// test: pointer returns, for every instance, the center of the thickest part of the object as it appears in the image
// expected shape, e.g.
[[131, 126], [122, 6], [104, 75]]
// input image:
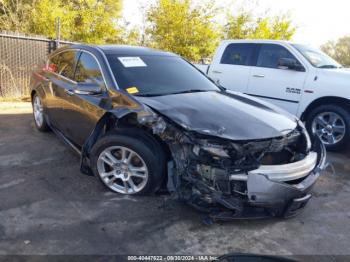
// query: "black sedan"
[[143, 119]]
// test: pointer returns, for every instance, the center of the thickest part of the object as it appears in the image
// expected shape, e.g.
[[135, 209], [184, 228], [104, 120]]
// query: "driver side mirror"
[[290, 63], [88, 88]]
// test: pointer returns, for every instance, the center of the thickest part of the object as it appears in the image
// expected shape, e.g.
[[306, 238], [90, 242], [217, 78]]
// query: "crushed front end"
[[240, 179], [245, 179]]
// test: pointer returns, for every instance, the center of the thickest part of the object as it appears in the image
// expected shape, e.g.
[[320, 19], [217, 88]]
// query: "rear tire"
[[129, 162], [38, 114], [332, 124]]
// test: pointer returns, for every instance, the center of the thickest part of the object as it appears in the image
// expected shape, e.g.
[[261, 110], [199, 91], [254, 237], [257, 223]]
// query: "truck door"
[[274, 83], [232, 69]]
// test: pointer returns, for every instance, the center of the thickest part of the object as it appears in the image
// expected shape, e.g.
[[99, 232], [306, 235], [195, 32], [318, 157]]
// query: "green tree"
[[132, 34], [181, 27], [129, 36], [89, 21], [246, 26], [15, 14], [339, 50]]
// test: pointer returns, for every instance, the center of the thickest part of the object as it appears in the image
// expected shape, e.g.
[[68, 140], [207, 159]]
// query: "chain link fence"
[[19, 56]]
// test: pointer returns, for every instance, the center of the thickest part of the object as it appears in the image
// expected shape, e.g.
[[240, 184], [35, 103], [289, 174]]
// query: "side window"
[[270, 54], [88, 70], [53, 64], [63, 63], [238, 54]]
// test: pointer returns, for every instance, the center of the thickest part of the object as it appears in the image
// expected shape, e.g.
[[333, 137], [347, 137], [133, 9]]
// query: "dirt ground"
[[48, 207]]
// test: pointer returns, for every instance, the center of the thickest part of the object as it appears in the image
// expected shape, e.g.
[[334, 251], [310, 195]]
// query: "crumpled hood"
[[223, 114]]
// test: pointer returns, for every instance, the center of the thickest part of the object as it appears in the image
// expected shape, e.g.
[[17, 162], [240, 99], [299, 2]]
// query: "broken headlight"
[[213, 149], [153, 120]]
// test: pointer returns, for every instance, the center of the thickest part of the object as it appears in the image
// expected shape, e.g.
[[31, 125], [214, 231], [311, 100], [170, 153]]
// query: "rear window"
[[64, 63], [157, 75], [238, 54]]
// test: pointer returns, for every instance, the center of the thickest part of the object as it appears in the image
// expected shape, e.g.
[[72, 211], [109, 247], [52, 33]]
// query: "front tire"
[[38, 113], [128, 164], [331, 123]]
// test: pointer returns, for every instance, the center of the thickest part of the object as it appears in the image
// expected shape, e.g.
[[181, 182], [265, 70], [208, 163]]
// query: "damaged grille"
[[275, 144], [234, 157], [213, 170]]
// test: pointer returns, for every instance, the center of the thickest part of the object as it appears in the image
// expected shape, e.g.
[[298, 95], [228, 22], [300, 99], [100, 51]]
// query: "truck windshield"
[[157, 75], [316, 57]]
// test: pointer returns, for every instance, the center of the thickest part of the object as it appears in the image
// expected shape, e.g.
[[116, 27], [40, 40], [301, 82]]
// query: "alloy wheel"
[[38, 111], [122, 170], [329, 127]]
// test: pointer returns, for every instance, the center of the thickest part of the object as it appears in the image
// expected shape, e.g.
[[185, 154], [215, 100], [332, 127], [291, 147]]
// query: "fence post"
[[52, 46], [58, 31]]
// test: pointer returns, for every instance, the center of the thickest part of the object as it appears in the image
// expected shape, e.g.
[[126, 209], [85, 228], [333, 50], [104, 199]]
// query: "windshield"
[[316, 57], [157, 75]]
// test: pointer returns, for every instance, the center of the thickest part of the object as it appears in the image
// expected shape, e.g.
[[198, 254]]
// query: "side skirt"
[[66, 140]]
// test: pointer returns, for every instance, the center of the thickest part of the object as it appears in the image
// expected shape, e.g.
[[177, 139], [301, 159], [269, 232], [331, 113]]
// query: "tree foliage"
[[15, 14], [245, 26], [339, 50], [187, 27], [183, 28], [90, 21]]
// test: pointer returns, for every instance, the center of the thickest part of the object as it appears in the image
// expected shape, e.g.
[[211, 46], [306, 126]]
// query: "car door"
[[275, 84], [60, 72], [232, 71], [83, 110]]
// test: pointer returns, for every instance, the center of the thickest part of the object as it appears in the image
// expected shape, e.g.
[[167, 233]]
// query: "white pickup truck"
[[302, 80]]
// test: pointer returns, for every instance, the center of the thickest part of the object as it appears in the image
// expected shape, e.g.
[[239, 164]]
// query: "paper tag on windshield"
[[132, 61], [132, 90]]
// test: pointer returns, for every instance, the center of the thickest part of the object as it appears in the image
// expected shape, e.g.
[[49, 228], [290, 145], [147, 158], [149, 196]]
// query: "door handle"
[[261, 76], [69, 92], [216, 72]]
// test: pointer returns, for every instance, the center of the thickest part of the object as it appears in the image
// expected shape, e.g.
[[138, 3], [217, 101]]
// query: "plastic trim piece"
[[288, 172]]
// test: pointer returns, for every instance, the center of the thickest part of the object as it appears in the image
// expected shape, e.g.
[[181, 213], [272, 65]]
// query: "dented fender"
[[113, 119]]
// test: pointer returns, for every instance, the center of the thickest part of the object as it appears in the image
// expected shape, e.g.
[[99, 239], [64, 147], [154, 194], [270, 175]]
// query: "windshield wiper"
[[190, 91], [150, 95], [175, 93]]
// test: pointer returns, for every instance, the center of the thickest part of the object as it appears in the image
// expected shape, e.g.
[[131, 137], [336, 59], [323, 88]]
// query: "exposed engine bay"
[[215, 175]]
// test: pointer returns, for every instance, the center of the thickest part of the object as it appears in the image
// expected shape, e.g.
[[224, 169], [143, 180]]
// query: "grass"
[[15, 99]]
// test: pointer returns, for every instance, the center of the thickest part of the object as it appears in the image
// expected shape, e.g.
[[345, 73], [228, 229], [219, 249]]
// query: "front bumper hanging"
[[278, 191]]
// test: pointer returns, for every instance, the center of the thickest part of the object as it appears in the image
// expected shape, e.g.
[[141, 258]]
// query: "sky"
[[317, 21]]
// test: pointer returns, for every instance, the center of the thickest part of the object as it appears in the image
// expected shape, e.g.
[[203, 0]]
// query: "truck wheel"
[[128, 162], [332, 124]]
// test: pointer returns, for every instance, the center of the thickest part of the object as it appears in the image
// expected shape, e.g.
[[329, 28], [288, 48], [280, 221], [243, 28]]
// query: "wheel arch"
[[38, 89], [328, 100], [32, 93], [109, 122]]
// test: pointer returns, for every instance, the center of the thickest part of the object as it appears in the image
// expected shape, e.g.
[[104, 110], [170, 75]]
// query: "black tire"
[[144, 145], [41, 126], [340, 111]]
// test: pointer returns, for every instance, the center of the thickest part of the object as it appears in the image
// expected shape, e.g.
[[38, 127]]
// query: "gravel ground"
[[48, 207]]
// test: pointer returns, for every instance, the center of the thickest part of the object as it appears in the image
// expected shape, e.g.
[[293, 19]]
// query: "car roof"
[[132, 50], [124, 50]]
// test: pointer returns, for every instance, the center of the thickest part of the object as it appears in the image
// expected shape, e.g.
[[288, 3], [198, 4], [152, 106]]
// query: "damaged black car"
[[143, 119]]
